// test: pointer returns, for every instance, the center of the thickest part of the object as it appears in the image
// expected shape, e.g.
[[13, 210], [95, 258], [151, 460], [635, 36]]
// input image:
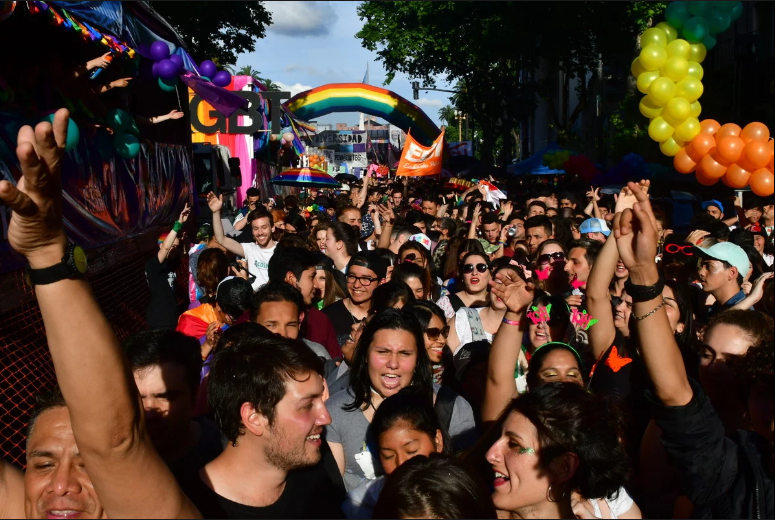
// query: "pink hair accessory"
[[540, 314]]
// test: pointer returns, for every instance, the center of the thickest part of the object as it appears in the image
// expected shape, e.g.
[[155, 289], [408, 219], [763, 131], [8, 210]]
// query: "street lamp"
[[460, 116]]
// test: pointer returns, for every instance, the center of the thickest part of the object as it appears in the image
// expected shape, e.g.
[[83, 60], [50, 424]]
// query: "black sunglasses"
[[548, 257], [434, 332], [469, 268], [411, 257]]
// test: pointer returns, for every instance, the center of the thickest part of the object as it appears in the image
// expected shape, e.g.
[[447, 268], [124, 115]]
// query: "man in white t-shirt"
[[256, 254]]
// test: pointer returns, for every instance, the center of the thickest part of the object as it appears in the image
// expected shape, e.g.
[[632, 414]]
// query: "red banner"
[[418, 160]]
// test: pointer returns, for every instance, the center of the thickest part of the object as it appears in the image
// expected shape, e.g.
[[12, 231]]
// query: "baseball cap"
[[713, 202], [234, 295], [344, 187], [469, 355], [727, 252], [369, 260], [423, 239], [595, 225]]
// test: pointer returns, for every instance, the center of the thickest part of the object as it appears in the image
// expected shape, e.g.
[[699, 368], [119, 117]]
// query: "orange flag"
[[418, 160]]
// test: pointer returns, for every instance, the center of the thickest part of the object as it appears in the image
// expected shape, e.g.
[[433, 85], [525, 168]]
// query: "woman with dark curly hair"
[[556, 439]]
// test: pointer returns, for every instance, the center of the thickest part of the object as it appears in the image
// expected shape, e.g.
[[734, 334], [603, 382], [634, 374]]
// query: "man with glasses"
[[365, 272]]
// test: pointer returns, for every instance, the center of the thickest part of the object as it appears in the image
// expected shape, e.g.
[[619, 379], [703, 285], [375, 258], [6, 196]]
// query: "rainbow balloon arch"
[[669, 73], [360, 97]]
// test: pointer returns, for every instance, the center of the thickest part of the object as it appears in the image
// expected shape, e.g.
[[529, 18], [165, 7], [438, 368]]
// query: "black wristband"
[[644, 293]]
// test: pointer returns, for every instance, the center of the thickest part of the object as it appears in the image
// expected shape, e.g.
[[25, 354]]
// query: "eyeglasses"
[[675, 248], [434, 332], [548, 257], [365, 280], [469, 268]]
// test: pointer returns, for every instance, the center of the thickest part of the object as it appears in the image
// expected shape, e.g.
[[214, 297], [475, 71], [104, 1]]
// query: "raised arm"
[[636, 238], [164, 250], [506, 344], [474, 222], [11, 491], [130, 478], [389, 217], [231, 245]]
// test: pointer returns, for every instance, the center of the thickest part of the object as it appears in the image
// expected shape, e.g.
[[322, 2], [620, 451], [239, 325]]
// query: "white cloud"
[[293, 89], [425, 102], [301, 18]]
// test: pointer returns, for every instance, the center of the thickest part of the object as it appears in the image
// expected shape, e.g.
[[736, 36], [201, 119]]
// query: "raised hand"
[[757, 289], [635, 231], [626, 199], [215, 203], [696, 237], [35, 229], [515, 293], [175, 114], [120, 83], [386, 212], [184, 214], [98, 63], [594, 194]]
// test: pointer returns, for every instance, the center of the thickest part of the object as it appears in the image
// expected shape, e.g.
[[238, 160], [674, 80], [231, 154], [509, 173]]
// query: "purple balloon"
[[178, 61], [159, 51], [167, 69], [155, 70], [208, 68], [222, 78]]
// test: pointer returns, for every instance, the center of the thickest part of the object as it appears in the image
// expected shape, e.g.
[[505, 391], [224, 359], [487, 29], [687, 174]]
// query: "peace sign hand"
[[635, 231]]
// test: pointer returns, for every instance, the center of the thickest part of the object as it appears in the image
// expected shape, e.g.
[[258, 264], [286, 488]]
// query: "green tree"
[[216, 30], [448, 115], [247, 70]]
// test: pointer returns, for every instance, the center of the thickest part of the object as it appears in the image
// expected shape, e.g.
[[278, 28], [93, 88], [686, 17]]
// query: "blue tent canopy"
[[533, 164]]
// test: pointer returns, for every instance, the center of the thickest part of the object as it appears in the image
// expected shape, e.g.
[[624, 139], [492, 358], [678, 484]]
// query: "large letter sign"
[[233, 127]]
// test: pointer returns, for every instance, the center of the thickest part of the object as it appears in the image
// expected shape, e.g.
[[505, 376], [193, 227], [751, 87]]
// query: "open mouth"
[[391, 381], [474, 281], [541, 335], [62, 513], [500, 479], [314, 439]]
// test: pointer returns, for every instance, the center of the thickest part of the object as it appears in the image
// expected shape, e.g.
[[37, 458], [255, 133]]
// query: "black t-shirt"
[[341, 319], [209, 446], [163, 309], [308, 493]]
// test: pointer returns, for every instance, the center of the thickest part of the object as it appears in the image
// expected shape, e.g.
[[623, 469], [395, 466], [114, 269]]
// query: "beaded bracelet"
[[510, 322], [638, 318]]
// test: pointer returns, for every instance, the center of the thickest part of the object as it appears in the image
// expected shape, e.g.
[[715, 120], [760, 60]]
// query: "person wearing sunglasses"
[[550, 262], [474, 272], [436, 332]]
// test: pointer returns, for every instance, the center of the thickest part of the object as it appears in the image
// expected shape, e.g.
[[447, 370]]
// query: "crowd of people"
[[406, 349]]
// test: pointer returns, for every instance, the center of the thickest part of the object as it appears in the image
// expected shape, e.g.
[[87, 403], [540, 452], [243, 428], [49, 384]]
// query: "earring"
[[549, 497]]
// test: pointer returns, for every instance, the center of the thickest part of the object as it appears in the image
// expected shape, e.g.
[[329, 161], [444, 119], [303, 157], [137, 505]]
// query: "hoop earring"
[[549, 497]]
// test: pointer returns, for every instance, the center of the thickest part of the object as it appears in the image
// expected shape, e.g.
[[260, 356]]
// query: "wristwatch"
[[72, 266]]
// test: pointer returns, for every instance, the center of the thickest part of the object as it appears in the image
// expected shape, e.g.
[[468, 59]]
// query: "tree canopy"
[[217, 30]]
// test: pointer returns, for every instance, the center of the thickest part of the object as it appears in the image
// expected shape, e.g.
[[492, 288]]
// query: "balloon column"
[[168, 67], [669, 73], [125, 142]]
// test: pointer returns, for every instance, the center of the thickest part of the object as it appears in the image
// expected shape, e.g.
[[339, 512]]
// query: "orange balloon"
[[725, 180], [703, 179], [712, 168], [770, 165], [736, 177], [755, 132], [762, 182], [693, 155], [729, 129], [703, 143], [729, 147], [709, 126], [756, 153], [683, 163]]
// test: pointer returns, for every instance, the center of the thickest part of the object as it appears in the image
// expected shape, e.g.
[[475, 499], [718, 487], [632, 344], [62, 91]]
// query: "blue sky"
[[310, 44]]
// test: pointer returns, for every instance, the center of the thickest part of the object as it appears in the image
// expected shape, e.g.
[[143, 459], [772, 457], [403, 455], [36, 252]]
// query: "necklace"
[[352, 315]]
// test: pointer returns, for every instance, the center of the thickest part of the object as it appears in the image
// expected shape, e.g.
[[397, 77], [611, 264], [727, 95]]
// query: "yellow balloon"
[[637, 69], [652, 57], [696, 109], [695, 70], [660, 130], [689, 88], [648, 108], [675, 68], [677, 111], [670, 147], [669, 31], [680, 48], [653, 36], [688, 130], [697, 52], [662, 90], [645, 80]]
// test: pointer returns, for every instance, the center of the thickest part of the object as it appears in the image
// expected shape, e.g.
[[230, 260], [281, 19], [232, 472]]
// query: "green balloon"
[[709, 42], [737, 10], [168, 85], [73, 134], [127, 146], [724, 6], [119, 120], [206, 78], [677, 13], [700, 8], [718, 22], [695, 30]]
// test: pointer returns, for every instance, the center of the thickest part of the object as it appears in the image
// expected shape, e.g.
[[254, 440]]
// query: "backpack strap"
[[445, 404], [455, 302], [475, 322]]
